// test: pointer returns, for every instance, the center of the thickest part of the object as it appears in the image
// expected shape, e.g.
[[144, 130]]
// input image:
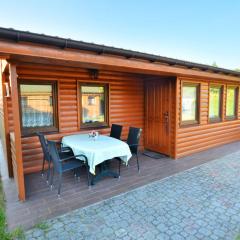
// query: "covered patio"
[[43, 203]]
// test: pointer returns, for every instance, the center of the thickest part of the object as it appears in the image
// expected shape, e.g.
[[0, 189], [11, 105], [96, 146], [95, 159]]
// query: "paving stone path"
[[200, 203]]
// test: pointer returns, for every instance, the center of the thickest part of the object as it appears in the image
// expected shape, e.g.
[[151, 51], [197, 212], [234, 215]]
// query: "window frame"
[[99, 125], [28, 131], [235, 116], [220, 118], [197, 113]]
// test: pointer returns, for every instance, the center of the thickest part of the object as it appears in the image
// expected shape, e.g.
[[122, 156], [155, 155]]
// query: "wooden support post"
[[177, 102], [17, 132], [4, 65], [5, 135]]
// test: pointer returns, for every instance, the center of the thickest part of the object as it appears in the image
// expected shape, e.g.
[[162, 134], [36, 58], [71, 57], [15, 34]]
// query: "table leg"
[[104, 172]]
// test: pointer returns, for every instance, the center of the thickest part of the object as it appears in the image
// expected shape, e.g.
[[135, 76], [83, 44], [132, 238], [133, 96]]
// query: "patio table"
[[99, 150]]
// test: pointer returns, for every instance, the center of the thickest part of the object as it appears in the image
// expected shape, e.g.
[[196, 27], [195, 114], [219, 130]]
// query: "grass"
[[42, 226], [18, 233]]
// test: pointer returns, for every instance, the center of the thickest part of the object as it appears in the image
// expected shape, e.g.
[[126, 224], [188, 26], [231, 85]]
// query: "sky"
[[203, 31]]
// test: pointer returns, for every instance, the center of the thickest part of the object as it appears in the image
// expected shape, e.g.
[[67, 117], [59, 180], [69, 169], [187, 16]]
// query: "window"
[[215, 103], [231, 102], [38, 107], [190, 103], [94, 102]]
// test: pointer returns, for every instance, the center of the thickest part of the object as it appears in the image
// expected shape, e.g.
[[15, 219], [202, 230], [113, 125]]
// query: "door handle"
[[166, 120], [166, 117]]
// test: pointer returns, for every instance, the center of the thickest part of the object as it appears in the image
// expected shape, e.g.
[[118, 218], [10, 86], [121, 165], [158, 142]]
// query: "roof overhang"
[[26, 52]]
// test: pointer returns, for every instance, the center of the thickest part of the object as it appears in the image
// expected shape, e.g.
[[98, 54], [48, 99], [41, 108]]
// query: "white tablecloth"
[[99, 150]]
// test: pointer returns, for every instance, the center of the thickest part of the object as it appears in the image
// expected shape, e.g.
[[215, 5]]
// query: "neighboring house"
[[61, 86]]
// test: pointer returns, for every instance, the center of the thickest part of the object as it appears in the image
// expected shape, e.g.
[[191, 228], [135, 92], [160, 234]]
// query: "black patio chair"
[[63, 151], [134, 135], [116, 131], [61, 165]]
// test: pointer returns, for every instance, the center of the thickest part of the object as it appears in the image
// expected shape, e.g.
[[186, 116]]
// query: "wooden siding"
[[126, 104], [2, 128], [205, 135]]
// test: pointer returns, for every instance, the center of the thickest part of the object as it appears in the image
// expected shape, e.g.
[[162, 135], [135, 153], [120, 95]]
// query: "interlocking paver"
[[200, 203]]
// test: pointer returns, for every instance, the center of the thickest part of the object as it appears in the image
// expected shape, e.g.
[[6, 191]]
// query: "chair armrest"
[[81, 155], [71, 157], [132, 145], [65, 149]]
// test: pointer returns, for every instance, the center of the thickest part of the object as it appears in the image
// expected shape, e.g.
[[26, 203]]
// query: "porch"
[[124, 100], [44, 204]]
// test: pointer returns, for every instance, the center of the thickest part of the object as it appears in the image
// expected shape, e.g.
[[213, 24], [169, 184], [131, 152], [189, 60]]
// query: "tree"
[[214, 64]]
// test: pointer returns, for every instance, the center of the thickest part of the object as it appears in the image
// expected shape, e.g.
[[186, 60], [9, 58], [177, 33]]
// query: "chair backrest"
[[44, 146], [133, 138], [116, 131], [54, 156]]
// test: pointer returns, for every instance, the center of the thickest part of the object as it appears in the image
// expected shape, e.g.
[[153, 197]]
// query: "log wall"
[[205, 135], [2, 128], [126, 100]]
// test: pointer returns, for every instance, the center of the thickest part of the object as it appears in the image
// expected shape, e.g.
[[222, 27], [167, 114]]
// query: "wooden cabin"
[[61, 86]]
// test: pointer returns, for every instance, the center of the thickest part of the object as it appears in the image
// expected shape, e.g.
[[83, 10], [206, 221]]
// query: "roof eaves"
[[17, 35]]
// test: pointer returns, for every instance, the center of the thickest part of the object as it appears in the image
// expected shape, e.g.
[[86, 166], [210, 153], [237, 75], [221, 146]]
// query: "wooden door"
[[157, 110]]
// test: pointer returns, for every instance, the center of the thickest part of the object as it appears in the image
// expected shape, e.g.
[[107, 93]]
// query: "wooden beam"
[[176, 120], [104, 61], [17, 131], [4, 56]]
